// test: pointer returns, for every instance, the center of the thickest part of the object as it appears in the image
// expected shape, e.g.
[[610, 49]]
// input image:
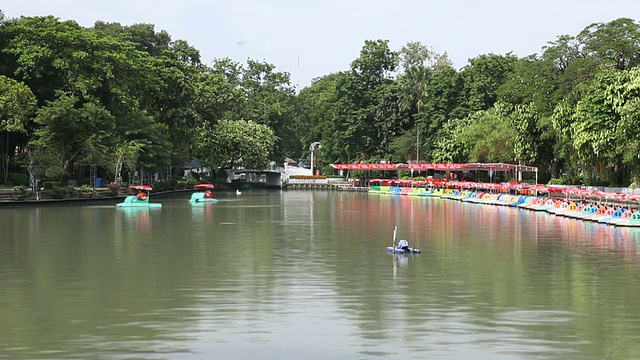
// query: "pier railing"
[[308, 181], [338, 184]]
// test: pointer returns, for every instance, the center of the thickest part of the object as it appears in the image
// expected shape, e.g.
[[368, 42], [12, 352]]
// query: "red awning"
[[436, 166], [203, 186], [141, 187]]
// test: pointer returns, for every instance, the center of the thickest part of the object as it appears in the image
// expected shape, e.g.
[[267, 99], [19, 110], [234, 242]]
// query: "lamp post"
[[312, 148], [417, 144]]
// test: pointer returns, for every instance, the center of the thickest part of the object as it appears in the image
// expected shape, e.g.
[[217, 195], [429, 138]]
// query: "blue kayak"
[[402, 250]]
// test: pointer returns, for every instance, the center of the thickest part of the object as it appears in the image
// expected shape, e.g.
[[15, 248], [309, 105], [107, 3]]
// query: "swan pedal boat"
[[140, 200], [204, 195]]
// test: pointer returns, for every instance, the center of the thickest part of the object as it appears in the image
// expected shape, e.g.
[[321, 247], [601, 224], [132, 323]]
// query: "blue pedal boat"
[[203, 195], [141, 199]]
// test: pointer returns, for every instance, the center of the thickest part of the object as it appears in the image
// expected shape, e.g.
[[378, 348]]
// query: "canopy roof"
[[436, 166], [141, 187], [203, 186]]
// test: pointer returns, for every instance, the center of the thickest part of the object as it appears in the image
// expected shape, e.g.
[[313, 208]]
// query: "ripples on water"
[[273, 275]]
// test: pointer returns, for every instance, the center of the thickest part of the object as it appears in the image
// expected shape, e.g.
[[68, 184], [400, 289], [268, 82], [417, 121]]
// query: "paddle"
[[395, 230]]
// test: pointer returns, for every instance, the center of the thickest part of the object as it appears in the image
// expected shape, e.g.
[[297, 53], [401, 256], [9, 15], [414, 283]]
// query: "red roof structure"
[[204, 186], [436, 166], [141, 187]]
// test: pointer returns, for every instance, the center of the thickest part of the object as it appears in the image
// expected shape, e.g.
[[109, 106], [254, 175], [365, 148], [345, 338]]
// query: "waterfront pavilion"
[[509, 169]]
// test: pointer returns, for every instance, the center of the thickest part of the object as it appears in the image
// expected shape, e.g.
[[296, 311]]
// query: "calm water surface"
[[305, 275]]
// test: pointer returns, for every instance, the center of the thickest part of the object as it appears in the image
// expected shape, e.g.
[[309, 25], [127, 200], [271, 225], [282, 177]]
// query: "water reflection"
[[306, 274], [202, 217], [137, 217]]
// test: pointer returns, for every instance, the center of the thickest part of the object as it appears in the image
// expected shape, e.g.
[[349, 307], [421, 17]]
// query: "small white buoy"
[[238, 192]]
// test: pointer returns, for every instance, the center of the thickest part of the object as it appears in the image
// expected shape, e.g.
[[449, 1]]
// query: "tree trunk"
[[118, 175], [5, 155]]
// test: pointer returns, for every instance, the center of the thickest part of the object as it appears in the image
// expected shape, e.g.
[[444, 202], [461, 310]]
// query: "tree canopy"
[[130, 97]]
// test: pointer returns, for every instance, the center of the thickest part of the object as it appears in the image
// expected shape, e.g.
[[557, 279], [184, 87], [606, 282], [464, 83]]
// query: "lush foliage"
[[134, 101], [572, 111], [130, 100], [231, 142]]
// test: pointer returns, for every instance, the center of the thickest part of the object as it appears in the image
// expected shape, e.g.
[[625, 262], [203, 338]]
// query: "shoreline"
[[71, 201]]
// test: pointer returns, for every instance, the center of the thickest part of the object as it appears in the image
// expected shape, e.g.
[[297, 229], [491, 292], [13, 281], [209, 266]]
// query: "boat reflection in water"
[[137, 218], [202, 214]]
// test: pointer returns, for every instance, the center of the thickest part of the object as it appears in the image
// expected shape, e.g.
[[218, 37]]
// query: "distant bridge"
[[275, 178], [271, 178]]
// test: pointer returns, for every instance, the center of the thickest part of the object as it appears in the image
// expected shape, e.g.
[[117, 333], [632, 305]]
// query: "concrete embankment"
[[70, 201]]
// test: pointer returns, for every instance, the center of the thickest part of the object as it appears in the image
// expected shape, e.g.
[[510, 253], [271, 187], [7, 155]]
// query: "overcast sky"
[[309, 39]]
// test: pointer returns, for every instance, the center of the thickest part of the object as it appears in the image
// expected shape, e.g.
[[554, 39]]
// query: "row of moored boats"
[[618, 215]]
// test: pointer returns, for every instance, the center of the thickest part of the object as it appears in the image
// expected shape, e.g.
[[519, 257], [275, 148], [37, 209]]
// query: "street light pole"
[[312, 148], [417, 143]]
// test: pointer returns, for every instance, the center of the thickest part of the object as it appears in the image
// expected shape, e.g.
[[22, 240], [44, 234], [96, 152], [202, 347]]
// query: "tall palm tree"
[[414, 84]]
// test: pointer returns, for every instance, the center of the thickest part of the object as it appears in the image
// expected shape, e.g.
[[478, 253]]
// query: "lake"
[[305, 275]]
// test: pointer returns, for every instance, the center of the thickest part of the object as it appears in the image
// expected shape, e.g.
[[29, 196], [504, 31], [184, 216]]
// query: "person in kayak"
[[403, 244]]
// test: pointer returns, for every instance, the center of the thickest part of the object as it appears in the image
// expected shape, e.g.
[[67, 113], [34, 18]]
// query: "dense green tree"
[[143, 36], [127, 154], [375, 64], [624, 94], [216, 96], [614, 43], [167, 94], [360, 119], [414, 84], [318, 117], [483, 77], [269, 100], [17, 105], [426, 86], [130, 97], [451, 144], [139, 77], [441, 105], [79, 133], [389, 120], [489, 137], [234, 142], [416, 54], [528, 140], [594, 125]]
